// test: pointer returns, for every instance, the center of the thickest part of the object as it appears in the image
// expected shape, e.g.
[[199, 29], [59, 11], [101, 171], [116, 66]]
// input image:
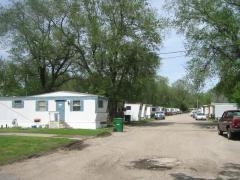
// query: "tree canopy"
[[213, 40], [105, 47]]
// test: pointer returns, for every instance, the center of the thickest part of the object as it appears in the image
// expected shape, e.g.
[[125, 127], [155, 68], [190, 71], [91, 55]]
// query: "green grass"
[[83, 132], [15, 148]]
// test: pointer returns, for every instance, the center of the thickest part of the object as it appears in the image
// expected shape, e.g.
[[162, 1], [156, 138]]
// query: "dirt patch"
[[35, 155], [104, 134], [76, 145], [156, 163]]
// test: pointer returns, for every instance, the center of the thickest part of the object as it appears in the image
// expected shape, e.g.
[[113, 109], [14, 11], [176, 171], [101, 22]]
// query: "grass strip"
[[83, 132], [15, 148]]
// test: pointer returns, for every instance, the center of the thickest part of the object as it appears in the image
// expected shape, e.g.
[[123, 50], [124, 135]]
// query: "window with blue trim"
[[18, 104], [41, 106], [77, 105]]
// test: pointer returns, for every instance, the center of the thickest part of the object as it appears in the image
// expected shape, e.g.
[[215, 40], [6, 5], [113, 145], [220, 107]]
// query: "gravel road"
[[178, 148]]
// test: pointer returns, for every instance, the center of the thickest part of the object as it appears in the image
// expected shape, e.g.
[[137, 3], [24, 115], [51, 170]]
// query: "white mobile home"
[[206, 110], [66, 109], [143, 111], [219, 108], [132, 111], [148, 111], [154, 109]]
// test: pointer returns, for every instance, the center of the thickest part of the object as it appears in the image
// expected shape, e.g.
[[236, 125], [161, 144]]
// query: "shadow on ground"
[[4, 176], [229, 171], [182, 176], [236, 137], [151, 124], [206, 124]]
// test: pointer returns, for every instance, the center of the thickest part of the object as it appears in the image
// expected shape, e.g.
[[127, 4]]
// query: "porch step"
[[53, 124], [64, 125]]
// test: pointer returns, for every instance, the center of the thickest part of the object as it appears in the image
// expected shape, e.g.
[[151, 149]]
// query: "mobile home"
[[148, 111], [132, 111], [219, 108], [54, 110], [206, 110], [143, 111]]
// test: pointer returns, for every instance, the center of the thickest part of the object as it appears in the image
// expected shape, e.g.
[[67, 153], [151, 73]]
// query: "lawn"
[[83, 132], [14, 148]]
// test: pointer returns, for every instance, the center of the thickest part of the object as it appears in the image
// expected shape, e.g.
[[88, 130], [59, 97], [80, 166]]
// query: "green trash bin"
[[118, 124]]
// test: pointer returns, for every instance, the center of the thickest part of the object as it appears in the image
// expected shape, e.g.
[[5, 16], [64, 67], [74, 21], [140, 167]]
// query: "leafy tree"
[[108, 46], [212, 32], [116, 54], [37, 43], [162, 92], [10, 82]]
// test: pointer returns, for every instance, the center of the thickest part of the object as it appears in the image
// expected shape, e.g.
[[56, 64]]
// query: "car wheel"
[[220, 132], [229, 134]]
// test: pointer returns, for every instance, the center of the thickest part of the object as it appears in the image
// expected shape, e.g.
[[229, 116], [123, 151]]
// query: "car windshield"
[[201, 114]]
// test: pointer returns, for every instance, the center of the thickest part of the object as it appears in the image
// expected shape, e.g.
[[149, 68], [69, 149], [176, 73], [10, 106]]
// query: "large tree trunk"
[[115, 109]]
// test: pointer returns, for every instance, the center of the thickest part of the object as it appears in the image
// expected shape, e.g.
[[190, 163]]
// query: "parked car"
[[159, 115], [195, 114], [192, 113], [230, 123], [200, 116]]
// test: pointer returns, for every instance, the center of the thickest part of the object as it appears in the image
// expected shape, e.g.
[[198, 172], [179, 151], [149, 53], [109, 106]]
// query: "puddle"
[[155, 163]]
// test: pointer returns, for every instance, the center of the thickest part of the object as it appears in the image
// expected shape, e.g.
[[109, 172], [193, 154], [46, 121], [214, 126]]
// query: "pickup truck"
[[230, 123]]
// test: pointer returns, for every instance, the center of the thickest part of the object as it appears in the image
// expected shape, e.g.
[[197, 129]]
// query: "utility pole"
[[197, 102], [26, 84]]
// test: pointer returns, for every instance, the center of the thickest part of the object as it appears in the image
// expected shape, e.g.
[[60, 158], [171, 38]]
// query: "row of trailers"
[[215, 110], [138, 111]]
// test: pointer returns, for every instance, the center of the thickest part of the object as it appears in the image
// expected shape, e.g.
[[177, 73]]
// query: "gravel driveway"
[[176, 148]]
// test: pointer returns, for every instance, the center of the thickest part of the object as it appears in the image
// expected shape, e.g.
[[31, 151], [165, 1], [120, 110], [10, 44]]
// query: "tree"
[[116, 53], [37, 42], [108, 46], [212, 32], [10, 82]]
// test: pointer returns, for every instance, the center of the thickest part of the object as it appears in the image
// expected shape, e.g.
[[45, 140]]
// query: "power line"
[[172, 57], [173, 52], [182, 51]]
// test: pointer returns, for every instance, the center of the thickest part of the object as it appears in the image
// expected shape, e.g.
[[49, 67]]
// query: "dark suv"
[[230, 123]]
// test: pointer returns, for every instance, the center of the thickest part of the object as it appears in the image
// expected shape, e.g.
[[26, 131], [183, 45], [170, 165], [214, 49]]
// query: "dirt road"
[[176, 148]]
